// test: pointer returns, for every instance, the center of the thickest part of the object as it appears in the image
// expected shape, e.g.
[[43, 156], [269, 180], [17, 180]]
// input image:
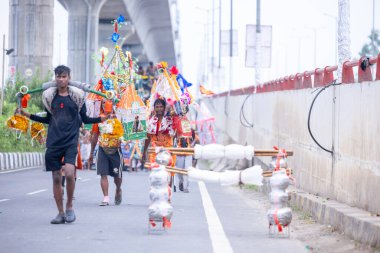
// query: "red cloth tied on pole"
[[152, 223], [24, 101], [116, 27], [276, 221], [166, 223]]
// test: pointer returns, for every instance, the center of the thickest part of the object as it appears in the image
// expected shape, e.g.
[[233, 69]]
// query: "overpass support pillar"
[[83, 37], [31, 35]]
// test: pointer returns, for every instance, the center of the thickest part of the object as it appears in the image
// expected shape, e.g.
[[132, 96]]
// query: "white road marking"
[[219, 239], [85, 180], [35, 192], [3, 200], [16, 170]]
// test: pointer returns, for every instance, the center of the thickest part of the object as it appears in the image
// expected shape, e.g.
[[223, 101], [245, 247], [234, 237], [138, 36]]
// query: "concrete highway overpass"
[[150, 34]]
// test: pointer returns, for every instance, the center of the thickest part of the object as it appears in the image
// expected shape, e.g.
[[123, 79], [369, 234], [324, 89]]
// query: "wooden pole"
[[185, 172], [170, 169], [190, 151]]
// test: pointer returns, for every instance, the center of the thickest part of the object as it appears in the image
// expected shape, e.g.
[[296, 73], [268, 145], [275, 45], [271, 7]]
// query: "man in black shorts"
[[66, 110], [109, 163]]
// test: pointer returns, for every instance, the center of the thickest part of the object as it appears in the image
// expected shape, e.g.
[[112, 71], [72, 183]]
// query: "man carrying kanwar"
[[110, 159], [159, 129], [66, 110]]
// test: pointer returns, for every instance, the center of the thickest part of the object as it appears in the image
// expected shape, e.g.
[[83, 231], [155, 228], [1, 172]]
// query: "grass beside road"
[[8, 139], [251, 187], [9, 142]]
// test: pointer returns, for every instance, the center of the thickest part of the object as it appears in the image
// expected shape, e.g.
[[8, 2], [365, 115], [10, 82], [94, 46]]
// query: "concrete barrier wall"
[[9, 161], [350, 123]]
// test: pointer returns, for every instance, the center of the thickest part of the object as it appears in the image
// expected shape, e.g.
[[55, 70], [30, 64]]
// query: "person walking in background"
[[140, 71], [109, 161], [65, 112], [126, 152], [135, 158], [150, 70], [159, 129], [195, 141], [151, 73], [184, 140], [160, 132], [85, 147]]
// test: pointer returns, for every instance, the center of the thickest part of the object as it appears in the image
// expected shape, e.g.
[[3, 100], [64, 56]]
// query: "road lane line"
[[35, 192], [3, 200], [219, 240], [17, 170]]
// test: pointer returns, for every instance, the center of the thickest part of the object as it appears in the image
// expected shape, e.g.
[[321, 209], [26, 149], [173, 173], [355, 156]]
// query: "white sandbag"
[[159, 177], [284, 216], [229, 177], [83, 86], [235, 151], [159, 194], [203, 175], [252, 175], [279, 180], [278, 198], [158, 210], [210, 151]]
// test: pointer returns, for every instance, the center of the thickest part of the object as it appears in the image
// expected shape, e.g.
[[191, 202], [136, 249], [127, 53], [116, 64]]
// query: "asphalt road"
[[210, 218]]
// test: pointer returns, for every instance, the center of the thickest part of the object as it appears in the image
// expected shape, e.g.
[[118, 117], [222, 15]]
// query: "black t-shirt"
[[64, 122]]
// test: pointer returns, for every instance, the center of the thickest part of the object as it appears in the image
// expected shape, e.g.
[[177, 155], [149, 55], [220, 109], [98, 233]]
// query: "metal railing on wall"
[[316, 78]]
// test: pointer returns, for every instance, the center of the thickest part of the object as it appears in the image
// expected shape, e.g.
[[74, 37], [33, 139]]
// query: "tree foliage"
[[8, 140], [373, 47]]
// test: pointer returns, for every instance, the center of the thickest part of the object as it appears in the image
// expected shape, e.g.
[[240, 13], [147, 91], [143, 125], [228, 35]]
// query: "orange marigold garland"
[[110, 132], [37, 131], [18, 122]]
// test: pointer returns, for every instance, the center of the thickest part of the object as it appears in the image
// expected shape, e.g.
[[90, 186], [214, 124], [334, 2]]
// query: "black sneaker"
[[70, 216], [180, 186], [60, 219]]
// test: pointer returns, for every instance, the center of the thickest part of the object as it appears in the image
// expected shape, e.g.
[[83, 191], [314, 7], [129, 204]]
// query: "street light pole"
[[315, 47], [258, 44], [213, 39], [344, 38], [231, 47], [2, 78], [220, 35], [373, 27], [5, 52]]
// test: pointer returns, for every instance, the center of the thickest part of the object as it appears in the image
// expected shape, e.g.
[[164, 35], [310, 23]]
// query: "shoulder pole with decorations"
[[280, 214], [24, 94], [215, 151]]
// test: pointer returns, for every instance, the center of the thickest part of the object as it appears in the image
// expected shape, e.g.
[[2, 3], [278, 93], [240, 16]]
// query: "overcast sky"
[[294, 24]]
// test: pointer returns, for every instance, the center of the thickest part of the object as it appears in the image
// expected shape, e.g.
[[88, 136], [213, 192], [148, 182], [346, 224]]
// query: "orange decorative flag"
[[132, 110], [205, 91]]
